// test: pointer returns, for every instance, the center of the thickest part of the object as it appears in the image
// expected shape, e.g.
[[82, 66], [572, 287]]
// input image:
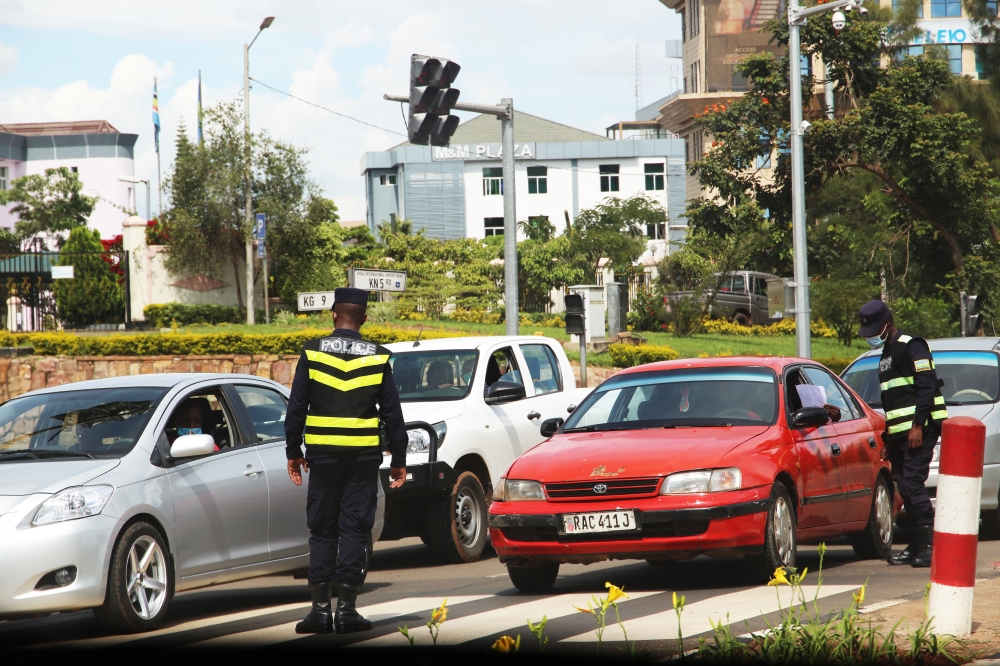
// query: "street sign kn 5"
[[431, 100]]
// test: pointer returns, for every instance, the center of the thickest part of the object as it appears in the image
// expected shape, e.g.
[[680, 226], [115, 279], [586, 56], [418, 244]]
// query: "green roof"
[[486, 129], [28, 264]]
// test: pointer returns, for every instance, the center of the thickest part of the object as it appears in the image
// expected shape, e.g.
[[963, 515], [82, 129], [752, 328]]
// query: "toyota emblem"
[[600, 488]]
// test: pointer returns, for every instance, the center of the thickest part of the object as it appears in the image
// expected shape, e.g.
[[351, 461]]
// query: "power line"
[[336, 113]]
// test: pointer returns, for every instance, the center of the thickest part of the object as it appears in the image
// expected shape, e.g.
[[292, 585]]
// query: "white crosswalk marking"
[[470, 627], [698, 616], [375, 612]]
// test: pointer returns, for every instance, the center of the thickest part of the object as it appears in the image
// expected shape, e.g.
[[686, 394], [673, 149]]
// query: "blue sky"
[[572, 62]]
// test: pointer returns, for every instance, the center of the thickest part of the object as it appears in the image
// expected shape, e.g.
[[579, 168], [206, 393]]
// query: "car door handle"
[[534, 415], [836, 449], [871, 442], [252, 471]]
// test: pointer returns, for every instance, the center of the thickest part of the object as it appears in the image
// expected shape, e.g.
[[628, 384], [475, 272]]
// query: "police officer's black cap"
[[874, 314], [350, 295]]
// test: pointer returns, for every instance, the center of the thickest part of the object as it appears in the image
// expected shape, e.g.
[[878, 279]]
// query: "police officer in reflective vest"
[[343, 387], [914, 409]]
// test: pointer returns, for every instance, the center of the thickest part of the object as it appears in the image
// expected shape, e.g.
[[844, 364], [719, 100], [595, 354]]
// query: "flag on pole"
[[201, 136], [156, 118]]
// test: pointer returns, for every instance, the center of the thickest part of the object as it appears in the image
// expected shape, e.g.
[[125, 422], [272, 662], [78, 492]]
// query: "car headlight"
[[498, 489], [73, 503], [702, 481], [441, 429], [519, 491], [418, 440]]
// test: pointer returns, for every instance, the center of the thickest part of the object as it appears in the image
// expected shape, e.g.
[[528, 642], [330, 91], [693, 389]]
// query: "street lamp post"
[[266, 23], [136, 181], [796, 19]]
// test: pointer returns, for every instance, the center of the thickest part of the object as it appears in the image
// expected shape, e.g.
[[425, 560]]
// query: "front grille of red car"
[[611, 488], [677, 528]]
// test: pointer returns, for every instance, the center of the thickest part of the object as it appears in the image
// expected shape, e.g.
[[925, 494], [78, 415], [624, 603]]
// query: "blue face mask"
[[876, 341], [188, 431]]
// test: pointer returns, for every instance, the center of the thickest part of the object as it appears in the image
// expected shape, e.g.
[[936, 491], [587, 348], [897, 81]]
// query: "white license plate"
[[603, 521]]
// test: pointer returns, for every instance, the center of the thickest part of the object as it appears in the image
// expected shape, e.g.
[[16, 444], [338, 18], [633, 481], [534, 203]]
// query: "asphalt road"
[[406, 583]]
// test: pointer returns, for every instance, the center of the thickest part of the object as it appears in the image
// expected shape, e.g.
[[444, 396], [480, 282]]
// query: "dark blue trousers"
[[340, 513], [910, 468]]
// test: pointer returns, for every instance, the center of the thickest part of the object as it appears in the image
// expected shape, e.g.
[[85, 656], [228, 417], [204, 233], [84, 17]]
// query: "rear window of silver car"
[[970, 377], [98, 423], [690, 397]]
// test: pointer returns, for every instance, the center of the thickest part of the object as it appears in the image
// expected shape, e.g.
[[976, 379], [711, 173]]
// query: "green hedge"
[[174, 344], [836, 364], [626, 356], [163, 315]]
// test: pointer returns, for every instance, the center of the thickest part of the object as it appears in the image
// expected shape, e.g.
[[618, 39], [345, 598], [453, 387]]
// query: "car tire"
[[779, 536], [458, 525], [140, 582], [534, 579], [875, 541], [741, 319]]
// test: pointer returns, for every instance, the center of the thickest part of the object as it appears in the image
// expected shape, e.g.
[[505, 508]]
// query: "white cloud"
[[8, 58]]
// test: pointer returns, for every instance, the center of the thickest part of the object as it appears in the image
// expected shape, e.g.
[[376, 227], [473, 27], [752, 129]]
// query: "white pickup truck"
[[472, 406]]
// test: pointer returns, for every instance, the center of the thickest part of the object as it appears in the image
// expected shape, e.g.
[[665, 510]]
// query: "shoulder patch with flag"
[[921, 365]]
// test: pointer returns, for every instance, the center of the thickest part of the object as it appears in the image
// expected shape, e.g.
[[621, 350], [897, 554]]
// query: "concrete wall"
[[28, 373]]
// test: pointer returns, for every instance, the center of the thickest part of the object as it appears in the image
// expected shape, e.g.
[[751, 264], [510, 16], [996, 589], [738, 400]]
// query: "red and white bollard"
[[956, 525]]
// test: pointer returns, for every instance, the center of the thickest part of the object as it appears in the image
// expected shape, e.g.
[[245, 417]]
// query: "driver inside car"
[[193, 417]]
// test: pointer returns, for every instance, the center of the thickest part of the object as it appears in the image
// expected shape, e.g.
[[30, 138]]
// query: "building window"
[[493, 226], [946, 8], [492, 181], [609, 177], [656, 231], [654, 176], [684, 34], [538, 182], [982, 62], [387, 179], [764, 161], [806, 65], [920, 7], [954, 58], [3, 179], [74, 170], [695, 21]]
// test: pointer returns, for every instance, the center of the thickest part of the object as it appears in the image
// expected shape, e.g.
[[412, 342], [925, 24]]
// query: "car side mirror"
[[549, 427], [189, 446], [504, 391], [808, 417]]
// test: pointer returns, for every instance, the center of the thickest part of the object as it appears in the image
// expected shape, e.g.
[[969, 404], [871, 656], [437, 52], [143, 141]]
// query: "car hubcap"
[[784, 536], [147, 577], [467, 518], [883, 514]]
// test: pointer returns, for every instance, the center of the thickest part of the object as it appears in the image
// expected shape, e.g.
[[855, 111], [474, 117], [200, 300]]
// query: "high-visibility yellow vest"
[[899, 395], [345, 380]]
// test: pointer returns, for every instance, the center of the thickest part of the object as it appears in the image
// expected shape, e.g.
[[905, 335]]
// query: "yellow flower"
[[678, 601], [584, 610], [859, 598], [779, 577], [440, 614], [614, 593], [503, 645]]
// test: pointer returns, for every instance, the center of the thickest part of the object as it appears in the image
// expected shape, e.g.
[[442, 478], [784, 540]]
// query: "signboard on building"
[[481, 151], [733, 34], [947, 31], [62, 272], [376, 280]]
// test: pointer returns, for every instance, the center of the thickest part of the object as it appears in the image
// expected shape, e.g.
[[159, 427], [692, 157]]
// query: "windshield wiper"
[[55, 453], [22, 452]]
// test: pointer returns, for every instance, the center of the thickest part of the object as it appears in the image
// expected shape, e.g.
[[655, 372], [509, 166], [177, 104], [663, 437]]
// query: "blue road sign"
[[261, 228]]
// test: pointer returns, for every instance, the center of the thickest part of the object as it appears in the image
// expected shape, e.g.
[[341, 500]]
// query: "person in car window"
[[191, 418], [439, 375]]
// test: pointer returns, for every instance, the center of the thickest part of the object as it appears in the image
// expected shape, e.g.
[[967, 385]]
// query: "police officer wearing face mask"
[[343, 387], [914, 409]]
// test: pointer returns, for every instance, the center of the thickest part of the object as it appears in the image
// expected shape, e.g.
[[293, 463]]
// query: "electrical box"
[[594, 306], [780, 299]]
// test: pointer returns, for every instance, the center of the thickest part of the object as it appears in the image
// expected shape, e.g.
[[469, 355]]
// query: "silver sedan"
[[117, 493]]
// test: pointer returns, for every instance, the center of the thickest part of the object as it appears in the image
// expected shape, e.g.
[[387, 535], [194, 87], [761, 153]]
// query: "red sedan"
[[727, 457]]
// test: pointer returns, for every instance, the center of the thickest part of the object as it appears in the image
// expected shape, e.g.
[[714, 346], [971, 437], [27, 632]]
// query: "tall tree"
[[94, 295], [613, 229], [48, 203], [308, 250]]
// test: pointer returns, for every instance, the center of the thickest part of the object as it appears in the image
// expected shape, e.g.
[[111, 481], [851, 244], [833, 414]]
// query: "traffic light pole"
[[583, 361], [505, 112]]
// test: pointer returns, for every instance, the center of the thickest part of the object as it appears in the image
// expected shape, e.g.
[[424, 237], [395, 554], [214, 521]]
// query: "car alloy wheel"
[[874, 542], [467, 513], [784, 532], [883, 513], [780, 540], [147, 577]]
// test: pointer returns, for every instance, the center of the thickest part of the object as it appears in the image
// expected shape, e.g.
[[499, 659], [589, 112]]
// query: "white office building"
[[457, 191]]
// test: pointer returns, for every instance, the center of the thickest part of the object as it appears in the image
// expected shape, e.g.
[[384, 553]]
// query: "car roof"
[[952, 344], [164, 380], [776, 363], [472, 342]]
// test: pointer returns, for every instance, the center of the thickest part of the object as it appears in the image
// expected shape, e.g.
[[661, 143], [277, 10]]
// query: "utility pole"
[[249, 196], [511, 316]]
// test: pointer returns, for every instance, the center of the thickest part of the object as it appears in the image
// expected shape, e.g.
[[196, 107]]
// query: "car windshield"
[[423, 376], [96, 423], [970, 377], [680, 398]]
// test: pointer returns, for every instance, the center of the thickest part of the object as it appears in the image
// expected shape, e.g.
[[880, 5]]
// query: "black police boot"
[[320, 619], [348, 620], [925, 541], [905, 556]]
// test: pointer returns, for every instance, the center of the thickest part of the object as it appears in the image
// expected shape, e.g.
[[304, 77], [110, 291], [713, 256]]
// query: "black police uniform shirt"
[[389, 409], [924, 382]]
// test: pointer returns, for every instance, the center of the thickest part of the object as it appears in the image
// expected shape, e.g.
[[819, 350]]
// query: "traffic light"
[[576, 314], [431, 100], [974, 314]]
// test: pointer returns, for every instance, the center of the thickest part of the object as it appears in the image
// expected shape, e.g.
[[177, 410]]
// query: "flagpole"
[[159, 181], [201, 136]]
